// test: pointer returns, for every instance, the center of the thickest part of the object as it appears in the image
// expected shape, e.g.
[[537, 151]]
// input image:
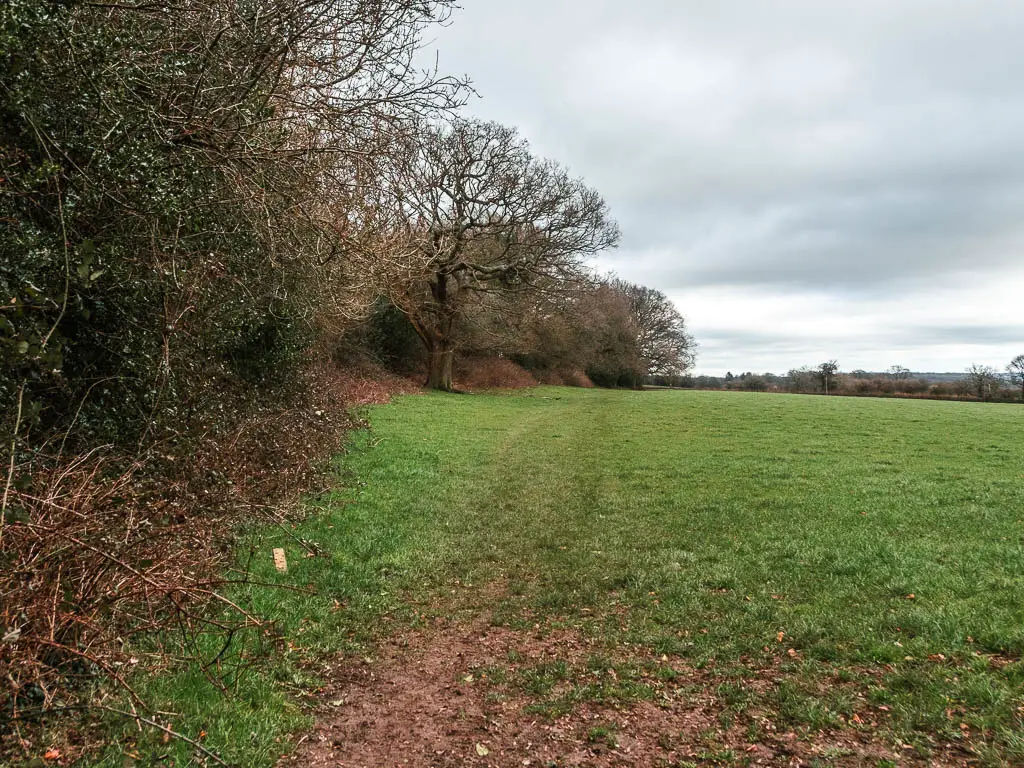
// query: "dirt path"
[[454, 695]]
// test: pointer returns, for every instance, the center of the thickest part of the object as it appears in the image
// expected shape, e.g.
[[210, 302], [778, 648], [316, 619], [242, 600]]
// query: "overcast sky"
[[805, 179]]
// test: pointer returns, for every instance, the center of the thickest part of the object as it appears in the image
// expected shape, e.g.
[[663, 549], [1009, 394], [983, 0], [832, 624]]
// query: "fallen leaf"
[[52, 754], [482, 750], [779, 637], [792, 652]]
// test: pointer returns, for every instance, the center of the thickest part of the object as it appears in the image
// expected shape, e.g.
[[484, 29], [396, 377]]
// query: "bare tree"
[[898, 373], [1016, 370], [482, 214], [803, 379], [827, 372], [983, 379], [665, 344]]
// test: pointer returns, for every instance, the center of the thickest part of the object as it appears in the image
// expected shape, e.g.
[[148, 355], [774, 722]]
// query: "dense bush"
[[177, 190]]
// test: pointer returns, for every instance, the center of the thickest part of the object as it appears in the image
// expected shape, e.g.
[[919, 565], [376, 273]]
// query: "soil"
[[445, 696]]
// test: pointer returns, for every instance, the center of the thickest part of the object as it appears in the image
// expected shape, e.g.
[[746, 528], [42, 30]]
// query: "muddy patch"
[[471, 694]]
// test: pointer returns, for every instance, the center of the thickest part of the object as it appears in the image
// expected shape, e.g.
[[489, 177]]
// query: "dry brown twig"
[[169, 731]]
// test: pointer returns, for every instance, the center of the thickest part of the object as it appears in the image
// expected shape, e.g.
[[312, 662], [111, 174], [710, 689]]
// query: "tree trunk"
[[434, 327], [439, 366]]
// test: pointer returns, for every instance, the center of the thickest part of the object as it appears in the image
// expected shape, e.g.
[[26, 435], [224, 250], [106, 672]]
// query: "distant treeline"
[[976, 383]]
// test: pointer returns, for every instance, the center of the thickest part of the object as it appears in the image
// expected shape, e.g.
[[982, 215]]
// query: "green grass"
[[692, 523]]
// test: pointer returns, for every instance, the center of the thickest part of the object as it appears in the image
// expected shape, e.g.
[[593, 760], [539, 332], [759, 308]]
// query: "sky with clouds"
[[805, 179]]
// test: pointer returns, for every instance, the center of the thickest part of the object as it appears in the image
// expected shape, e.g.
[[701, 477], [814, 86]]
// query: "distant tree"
[[827, 371], [803, 380], [1016, 370], [898, 373], [752, 382], [983, 380]]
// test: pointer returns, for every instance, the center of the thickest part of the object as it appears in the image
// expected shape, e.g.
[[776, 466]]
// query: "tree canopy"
[[481, 213]]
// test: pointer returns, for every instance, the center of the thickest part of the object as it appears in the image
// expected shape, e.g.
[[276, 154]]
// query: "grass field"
[[876, 544]]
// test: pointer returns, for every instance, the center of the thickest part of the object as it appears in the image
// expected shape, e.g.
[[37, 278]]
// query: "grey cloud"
[[908, 336], [967, 334], [886, 241]]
